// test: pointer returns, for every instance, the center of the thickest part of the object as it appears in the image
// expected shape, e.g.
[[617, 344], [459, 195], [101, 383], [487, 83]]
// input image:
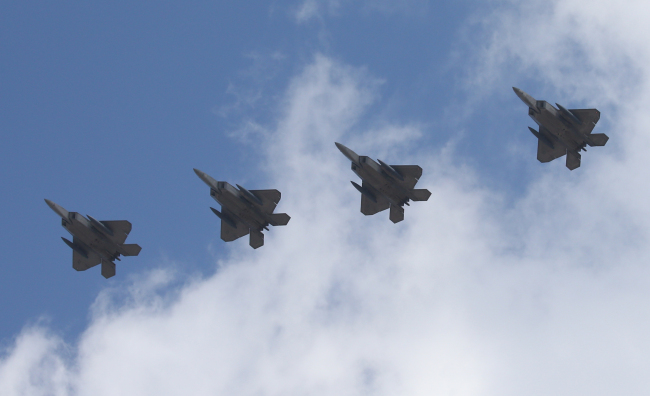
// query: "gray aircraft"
[[562, 131], [244, 211], [95, 242], [385, 186]]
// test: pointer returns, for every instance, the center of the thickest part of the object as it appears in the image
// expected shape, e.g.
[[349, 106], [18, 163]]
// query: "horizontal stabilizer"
[[598, 139], [396, 213], [421, 194], [279, 219], [130, 249], [572, 160], [256, 239], [108, 269]]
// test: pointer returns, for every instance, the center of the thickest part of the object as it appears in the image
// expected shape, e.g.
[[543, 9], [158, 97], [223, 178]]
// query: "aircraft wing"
[[228, 232], [547, 154], [270, 199], [370, 207], [81, 263], [589, 118], [120, 228], [410, 173]]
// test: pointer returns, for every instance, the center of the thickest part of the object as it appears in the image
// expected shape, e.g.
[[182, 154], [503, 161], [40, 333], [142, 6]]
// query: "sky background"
[[514, 278]]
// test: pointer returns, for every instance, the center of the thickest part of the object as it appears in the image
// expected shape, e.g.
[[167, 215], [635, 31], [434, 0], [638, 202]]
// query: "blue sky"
[[107, 108], [515, 276]]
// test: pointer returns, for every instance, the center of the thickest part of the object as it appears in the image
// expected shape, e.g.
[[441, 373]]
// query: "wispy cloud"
[[308, 10]]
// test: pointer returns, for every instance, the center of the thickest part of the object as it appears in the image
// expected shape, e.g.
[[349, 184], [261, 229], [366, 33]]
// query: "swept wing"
[[120, 228], [588, 117], [269, 198], [81, 262], [410, 173], [228, 232], [547, 154], [370, 207]]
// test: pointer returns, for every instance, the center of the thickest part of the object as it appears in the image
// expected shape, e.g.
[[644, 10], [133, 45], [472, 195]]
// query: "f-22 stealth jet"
[[244, 211], [562, 131], [95, 241], [385, 186]]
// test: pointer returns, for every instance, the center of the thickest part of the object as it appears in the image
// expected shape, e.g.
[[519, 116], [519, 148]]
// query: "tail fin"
[[421, 194], [598, 139], [279, 219], [130, 249]]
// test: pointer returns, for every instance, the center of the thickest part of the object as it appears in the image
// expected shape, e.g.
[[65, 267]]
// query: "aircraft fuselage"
[[372, 173], [234, 201]]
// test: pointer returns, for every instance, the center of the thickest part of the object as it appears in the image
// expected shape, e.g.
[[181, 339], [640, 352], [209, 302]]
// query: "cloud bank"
[[467, 296]]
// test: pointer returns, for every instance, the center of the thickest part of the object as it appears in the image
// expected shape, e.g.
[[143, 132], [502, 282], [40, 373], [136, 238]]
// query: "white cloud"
[[35, 366], [467, 296], [308, 10]]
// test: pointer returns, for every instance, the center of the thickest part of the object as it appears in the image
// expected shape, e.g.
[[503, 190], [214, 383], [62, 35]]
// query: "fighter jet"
[[562, 131], [244, 211], [94, 241], [385, 186]]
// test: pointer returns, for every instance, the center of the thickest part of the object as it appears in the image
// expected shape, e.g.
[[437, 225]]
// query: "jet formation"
[[385, 186], [562, 131], [94, 241], [244, 211]]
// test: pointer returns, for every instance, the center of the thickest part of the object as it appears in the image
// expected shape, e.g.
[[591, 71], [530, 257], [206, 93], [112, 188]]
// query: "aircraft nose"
[[57, 208], [351, 155], [529, 100], [521, 94], [207, 179]]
